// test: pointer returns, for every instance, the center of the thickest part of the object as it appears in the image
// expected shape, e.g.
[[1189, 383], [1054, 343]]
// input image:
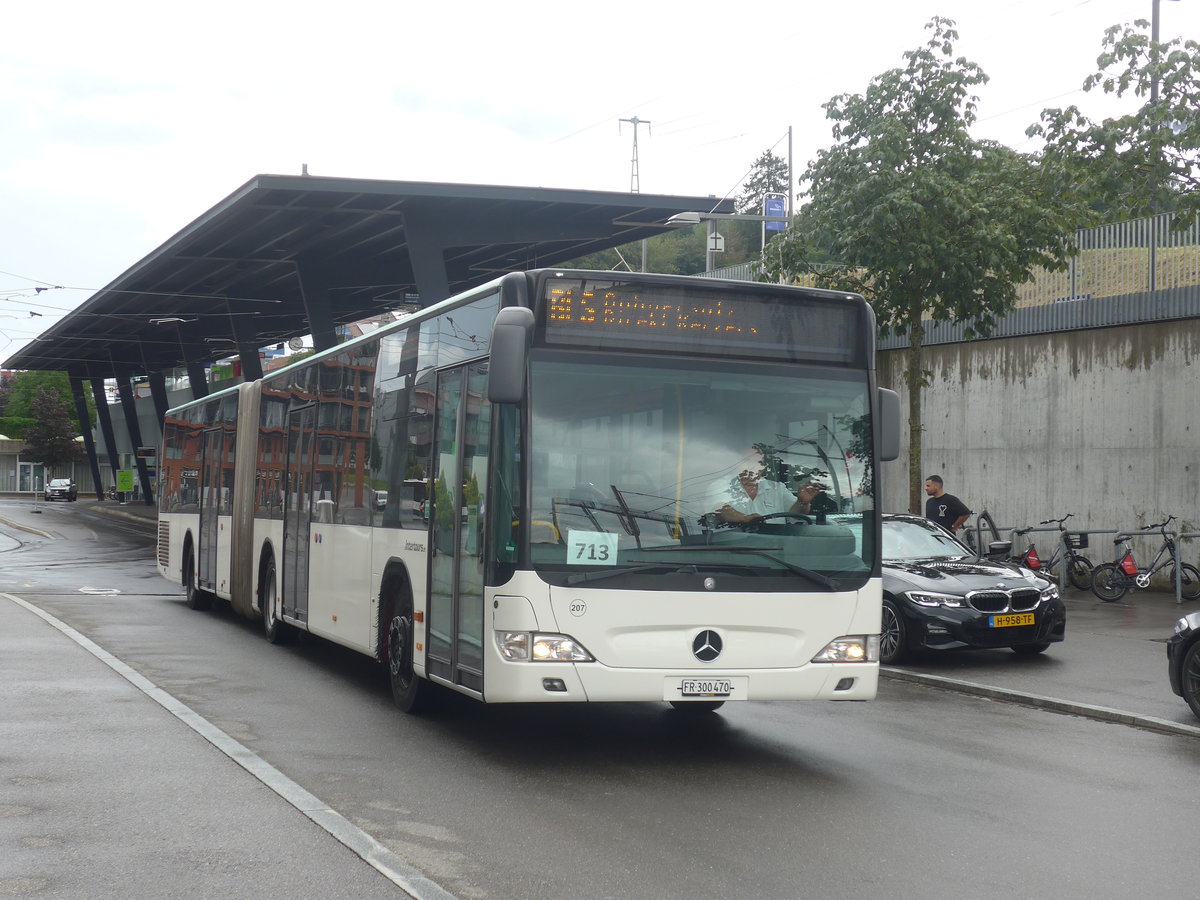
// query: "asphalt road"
[[923, 793]]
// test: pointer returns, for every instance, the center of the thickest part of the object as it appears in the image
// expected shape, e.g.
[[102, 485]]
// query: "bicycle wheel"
[[1189, 588], [1107, 583], [1079, 572]]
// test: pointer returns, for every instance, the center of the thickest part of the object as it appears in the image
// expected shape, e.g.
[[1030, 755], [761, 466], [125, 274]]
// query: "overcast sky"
[[121, 123]]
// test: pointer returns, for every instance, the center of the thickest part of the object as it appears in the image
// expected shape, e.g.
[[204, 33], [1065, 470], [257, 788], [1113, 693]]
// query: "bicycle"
[[1079, 567], [1111, 580]]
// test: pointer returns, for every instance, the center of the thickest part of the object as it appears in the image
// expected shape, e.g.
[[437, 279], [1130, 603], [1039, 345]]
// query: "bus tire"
[[275, 630], [410, 692], [194, 596]]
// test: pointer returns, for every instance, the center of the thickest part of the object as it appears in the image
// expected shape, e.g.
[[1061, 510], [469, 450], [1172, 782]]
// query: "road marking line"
[[379, 857]]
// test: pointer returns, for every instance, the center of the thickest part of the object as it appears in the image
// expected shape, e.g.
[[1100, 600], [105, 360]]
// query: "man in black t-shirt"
[[945, 509]]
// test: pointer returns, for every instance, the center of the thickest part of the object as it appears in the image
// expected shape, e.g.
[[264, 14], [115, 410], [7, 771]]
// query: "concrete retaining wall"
[[1103, 423]]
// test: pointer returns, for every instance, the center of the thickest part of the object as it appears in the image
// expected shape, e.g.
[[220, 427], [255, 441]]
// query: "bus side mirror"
[[512, 333], [889, 425]]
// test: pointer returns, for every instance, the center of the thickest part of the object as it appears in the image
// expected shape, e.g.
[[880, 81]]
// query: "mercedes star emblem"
[[707, 646]]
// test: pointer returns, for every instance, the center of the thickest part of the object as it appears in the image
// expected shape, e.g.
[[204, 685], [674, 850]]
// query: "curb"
[[123, 514], [1053, 704], [29, 528]]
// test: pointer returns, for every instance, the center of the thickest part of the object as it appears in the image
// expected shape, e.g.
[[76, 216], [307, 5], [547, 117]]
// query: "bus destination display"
[[617, 315]]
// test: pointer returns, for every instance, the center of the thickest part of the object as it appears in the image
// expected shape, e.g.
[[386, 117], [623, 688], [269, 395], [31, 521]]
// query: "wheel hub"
[[397, 644]]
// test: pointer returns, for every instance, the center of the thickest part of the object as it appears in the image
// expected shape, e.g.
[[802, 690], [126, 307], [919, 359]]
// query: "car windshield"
[[60, 482], [634, 461], [912, 539]]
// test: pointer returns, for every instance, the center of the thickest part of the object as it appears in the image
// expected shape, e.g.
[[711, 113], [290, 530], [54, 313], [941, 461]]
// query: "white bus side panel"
[[405, 547], [221, 578], [340, 585], [176, 527]]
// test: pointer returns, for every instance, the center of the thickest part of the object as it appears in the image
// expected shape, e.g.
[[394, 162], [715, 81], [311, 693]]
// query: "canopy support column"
[[105, 420], [129, 407], [85, 429], [314, 286]]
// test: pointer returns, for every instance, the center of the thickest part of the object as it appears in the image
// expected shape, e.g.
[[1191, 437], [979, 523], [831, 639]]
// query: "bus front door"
[[210, 507], [460, 478], [297, 512]]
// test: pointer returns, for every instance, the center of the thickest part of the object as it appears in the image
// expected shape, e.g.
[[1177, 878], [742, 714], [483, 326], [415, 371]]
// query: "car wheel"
[[1031, 649], [1189, 677], [695, 707], [892, 635]]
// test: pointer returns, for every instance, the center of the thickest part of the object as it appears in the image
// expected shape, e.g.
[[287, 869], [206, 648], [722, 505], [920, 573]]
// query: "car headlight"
[[1050, 593], [852, 648], [929, 598], [530, 646], [1183, 626]]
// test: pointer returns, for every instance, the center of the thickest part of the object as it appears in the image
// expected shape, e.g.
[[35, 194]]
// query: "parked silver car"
[[61, 489]]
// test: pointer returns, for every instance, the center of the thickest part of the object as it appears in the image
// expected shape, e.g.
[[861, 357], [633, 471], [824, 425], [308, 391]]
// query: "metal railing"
[[1148, 254], [974, 531], [1122, 259]]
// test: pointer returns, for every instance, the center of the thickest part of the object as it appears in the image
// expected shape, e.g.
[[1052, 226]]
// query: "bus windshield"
[[647, 467]]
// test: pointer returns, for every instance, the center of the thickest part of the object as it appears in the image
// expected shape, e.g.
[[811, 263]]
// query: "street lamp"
[[687, 219], [1154, 51]]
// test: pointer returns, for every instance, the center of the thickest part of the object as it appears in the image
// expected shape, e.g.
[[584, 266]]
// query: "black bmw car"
[[1183, 660], [938, 595]]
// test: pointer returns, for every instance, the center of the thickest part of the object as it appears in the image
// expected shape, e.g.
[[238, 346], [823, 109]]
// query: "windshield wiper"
[[823, 580], [598, 574]]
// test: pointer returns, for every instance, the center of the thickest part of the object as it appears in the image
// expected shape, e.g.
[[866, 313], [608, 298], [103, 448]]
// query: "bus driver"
[[749, 496]]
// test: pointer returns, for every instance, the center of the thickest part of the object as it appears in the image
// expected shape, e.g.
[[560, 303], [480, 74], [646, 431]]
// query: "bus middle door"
[[297, 511], [210, 507]]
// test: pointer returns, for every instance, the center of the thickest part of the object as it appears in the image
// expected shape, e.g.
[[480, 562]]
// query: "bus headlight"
[[853, 648], [527, 646]]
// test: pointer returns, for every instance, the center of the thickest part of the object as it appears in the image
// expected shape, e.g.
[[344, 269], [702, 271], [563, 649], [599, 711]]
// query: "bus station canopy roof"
[[248, 272]]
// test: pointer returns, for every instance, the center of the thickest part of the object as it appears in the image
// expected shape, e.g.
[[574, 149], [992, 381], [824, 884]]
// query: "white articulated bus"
[[523, 493]]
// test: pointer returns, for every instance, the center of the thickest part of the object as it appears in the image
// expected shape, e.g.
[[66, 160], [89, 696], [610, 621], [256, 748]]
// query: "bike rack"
[[974, 532], [1062, 570]]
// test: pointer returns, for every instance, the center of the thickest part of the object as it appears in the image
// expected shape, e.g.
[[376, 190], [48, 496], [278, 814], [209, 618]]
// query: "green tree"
[[1149, 159], [25, 387], [50, 439], [768, 175], [921, 218]]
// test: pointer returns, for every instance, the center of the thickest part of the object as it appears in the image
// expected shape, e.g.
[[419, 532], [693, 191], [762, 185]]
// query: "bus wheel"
[[409, 691], [194, 596], [275, 630]]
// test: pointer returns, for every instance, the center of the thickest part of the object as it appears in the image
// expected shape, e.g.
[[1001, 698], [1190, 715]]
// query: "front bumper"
[[524, 682], [961, 629]]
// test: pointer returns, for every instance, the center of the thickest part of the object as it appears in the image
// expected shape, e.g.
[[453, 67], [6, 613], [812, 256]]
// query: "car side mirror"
[[999, 549]]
